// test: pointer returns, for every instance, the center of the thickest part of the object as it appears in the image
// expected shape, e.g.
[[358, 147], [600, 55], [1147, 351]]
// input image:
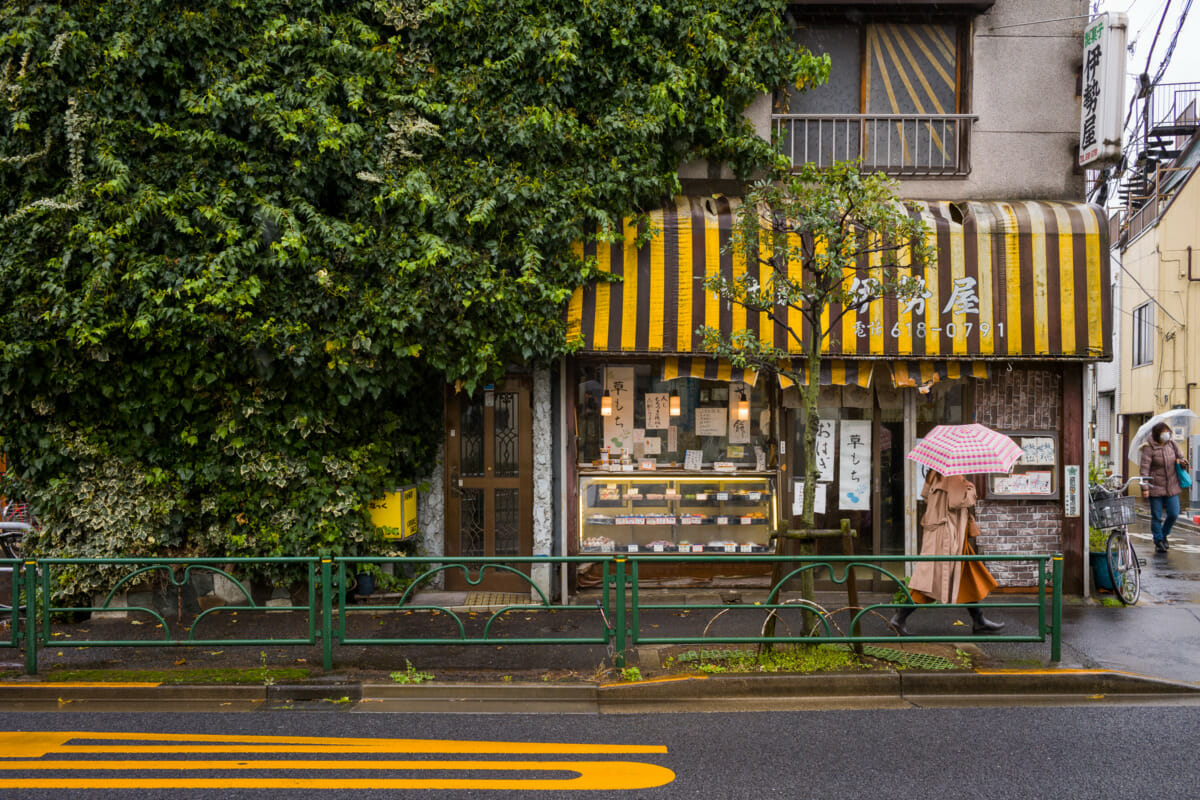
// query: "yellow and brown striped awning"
[[1012, 280], [712, 369], [835, 372], [927, 373]]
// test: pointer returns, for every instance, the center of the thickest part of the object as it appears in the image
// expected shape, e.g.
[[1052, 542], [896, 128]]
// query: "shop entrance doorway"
[[861, 447], [489, 482]]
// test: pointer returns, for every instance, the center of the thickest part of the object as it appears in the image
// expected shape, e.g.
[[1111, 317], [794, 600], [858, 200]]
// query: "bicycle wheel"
[[10, 544], [10, 547], [1123, 564]]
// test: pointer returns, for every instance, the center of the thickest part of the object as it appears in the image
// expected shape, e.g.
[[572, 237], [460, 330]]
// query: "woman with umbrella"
[[1157, 460], [952, 451]]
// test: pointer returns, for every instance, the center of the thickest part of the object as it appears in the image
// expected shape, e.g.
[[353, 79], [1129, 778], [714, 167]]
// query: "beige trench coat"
[[944, 532]]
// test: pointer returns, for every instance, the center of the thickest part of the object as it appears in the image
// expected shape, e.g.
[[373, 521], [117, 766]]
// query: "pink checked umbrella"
[[966, 450]]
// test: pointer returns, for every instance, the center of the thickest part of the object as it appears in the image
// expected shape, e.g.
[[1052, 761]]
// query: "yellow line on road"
[[645, 776], [589, 775], [77, 684], [24, 752], [37, 744]]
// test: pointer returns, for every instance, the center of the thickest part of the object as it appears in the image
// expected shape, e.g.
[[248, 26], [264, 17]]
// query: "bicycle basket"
[[1113, 513]]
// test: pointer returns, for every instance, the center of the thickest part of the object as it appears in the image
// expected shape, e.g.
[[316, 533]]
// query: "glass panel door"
[[489, 483]]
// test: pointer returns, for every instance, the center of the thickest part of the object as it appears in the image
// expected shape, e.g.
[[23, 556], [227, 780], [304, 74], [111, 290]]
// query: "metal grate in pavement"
[[917, 660], [496, 599]]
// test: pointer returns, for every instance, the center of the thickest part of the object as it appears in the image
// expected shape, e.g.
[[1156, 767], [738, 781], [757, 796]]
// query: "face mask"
[[1164, 437]]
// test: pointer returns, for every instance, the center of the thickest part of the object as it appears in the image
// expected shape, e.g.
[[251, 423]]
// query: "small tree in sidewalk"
[[824, 243]]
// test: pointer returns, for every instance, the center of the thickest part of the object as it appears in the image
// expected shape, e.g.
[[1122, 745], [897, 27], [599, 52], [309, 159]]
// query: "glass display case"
[[662, 513]]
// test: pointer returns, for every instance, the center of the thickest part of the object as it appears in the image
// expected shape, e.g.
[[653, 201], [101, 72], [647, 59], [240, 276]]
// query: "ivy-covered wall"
[[242, 244]]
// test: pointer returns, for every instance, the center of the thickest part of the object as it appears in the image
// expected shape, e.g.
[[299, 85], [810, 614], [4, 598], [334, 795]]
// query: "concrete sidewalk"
[[1151, 650]]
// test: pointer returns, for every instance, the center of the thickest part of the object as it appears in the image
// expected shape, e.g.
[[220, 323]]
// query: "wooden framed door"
[[489, 481]]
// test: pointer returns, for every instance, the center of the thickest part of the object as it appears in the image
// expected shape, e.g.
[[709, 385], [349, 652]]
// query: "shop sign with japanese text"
[[1102, 121]]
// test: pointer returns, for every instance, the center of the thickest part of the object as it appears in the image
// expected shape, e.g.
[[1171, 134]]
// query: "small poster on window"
[[818, 498], [658, 411], [693, 459], [710, 421], [1037, 450]]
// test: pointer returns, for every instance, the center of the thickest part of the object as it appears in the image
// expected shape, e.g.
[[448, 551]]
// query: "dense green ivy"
[[244, 243]]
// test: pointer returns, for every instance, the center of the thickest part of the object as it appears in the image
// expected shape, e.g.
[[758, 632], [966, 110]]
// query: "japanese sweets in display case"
[[666, 514]]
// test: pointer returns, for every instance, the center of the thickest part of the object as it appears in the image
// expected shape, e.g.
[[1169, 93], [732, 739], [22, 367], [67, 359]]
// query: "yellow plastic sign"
[[397, 510]]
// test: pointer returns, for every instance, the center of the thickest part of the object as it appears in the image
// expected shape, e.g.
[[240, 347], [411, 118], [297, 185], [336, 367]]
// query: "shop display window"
[[629, 419], [679, 514]]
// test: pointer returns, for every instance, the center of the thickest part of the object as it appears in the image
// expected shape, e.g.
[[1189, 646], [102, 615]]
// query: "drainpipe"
[[1085, 496], [564, 501]]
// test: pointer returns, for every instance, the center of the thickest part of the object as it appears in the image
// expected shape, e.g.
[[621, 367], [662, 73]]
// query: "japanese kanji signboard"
[[1102, 119]]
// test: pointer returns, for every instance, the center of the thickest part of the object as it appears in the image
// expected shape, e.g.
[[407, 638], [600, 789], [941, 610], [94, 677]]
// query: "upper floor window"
[[896, 98], [1143, 335]]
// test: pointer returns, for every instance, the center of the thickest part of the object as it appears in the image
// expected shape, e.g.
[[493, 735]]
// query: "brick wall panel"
[[1013, 400]]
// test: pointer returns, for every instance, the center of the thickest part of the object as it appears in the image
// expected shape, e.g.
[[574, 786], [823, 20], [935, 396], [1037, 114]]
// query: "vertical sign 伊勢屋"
[[1101, 122]]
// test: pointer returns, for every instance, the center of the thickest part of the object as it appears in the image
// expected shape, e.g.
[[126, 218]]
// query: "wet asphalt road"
[[1110, 752], [1171, 577]]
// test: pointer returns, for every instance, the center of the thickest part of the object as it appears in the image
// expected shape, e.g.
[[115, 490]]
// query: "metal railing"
[[908, 145], [617, 620], [1172, 104]]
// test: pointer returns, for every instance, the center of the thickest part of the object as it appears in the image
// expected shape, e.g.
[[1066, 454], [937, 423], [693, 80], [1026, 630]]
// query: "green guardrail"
[[326, 608]]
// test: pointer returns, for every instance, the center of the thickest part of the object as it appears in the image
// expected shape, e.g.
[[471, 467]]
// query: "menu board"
[[711, 421]]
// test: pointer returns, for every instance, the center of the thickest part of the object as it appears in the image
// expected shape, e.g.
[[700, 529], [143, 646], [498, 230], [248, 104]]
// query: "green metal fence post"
[[30, 632], [619, 591], [1056, 611], [327, 612]]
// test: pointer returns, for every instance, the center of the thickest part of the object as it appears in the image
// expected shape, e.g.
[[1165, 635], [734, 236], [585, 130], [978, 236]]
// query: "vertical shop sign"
[[1101, 122], [854, 479], [739, 429], [826, 431], [1071, 490], [618, 428]]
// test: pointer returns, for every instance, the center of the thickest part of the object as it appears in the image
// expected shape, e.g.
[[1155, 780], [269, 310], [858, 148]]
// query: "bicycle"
[[15, 522], [1112, 509]]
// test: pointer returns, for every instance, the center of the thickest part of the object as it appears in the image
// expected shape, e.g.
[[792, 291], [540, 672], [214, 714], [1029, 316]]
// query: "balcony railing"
[[908, 145], [1171, 110]]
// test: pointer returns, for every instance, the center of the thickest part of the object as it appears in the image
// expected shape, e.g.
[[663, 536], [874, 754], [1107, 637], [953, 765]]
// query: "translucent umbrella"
[[1175, 418], [966, 450]]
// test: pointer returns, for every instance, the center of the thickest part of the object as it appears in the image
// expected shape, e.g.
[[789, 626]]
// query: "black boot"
[[981, 623], [899, 618]]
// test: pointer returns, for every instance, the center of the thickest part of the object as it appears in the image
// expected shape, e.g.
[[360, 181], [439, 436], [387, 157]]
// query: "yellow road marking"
[[589, 775], [29, 744], [27, 752], [77, 684]]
